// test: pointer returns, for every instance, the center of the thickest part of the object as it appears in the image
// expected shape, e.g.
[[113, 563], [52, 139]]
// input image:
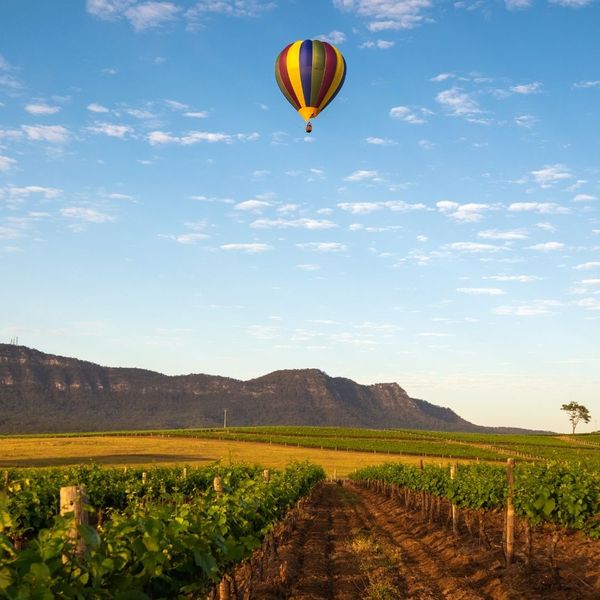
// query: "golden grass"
[[155, 450]]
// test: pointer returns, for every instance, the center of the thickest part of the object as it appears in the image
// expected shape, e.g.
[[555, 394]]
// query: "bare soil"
[[348, 542]]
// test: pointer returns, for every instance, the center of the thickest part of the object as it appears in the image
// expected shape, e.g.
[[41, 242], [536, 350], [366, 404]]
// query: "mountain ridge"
[[47, 393]]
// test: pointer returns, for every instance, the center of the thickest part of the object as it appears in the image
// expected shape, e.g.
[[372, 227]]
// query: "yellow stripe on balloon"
[[337, 78], [293, 69]]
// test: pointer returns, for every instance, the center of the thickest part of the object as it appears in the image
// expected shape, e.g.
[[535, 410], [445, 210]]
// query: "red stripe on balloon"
[[330, 66], [285, 78]]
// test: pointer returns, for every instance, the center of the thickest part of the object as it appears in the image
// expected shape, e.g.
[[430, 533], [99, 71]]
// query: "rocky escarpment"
[[46, 393]]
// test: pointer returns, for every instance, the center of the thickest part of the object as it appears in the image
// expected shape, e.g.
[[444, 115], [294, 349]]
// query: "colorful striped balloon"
[[310, 73]]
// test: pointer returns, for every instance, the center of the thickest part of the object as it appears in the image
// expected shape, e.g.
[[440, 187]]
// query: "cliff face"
[[46, 393]]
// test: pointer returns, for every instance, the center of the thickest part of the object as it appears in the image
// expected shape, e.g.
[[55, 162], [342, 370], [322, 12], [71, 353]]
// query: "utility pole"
[[224, 418]]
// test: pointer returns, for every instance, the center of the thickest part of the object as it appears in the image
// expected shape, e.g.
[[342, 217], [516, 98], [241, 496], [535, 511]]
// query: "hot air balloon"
[[309, 74]]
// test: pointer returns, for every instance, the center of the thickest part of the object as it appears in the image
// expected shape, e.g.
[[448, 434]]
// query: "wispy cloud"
[[6, 163], [459, 103], [467, 213], [310, 224], [481, 291], [97, 108], [518, 278], [584, 198], [588, 266], [377, 141], [409, 115], [473, 247], [387, 14], [531, 309], [252, 205], [362, 175], [333, 37], [141, 15], [323, 246], [547, 246], [381, 44], [495, 234], [551, 174], [543, 208], [251, 248], [41, 109], [364, 208], [82, 214], [53, 134], [111, 130], [527, 88], [195, 137], [587, 84]]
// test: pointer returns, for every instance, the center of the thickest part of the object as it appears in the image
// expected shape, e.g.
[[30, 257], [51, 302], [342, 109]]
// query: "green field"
[[583, 448]]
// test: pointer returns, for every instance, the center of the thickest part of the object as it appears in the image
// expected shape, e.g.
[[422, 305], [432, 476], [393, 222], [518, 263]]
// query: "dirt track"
[[352, 543]]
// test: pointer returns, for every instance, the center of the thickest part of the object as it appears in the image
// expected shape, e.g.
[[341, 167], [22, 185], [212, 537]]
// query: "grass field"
[[150, 450], [337, 449]]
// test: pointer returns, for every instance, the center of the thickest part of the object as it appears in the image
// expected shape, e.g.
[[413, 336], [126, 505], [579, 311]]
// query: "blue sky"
[[161, 206]]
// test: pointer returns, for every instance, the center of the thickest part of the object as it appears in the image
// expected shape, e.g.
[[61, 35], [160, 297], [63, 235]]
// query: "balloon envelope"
[[310, 73]]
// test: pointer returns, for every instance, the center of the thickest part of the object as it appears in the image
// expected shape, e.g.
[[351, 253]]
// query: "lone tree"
[[577, 413]]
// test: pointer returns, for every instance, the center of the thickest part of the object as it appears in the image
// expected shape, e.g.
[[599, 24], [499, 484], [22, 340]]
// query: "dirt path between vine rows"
[[351, 543]]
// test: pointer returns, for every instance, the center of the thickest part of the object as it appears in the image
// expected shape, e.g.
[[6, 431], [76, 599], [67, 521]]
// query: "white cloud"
[[587, 84], [186, 239], [333, 37], [310, 224], [588, 303], [308, 267], [527, 121], [551, 174], [458, 103], [584, 198], [442, 77], [41, 109], [97, 108], [176, 105], [252, 205], [195, 137], [533, 309], [545, 226], [494, 234], [323, 246], [547, 246], [465, 213], [377, 141], [142, 16], [527, 89], [588, 266], [361, 175], [150, 15], [404, 113], [387, 14], [481, 291], [473, 247], [364, 208], [139, 113], [111, 130], [519, 278], [54, 134], [572, 3], [252, 248], [544, 208], [427, 145], [198, 114], [517, 4], [89, 215], [381, 44], [6, 163], [10, 134], [20, 192]]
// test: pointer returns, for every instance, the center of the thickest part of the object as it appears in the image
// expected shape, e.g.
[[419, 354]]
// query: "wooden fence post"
[[185, 472], [454, 507], [266, 474], [73, 500], [510, 511], [6, 479], [144, 477], [218, 486]]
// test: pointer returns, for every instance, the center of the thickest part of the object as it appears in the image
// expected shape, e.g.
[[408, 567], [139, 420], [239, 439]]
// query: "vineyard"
[[162, 534]]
